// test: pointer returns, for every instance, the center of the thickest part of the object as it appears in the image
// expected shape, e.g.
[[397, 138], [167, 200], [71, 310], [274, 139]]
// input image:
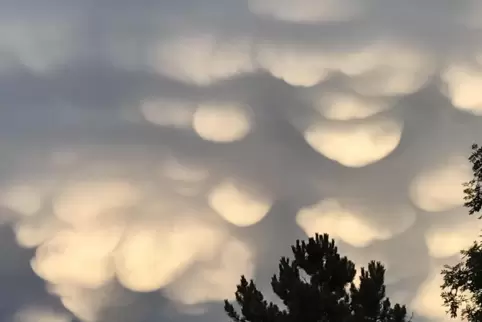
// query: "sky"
[[152, 151]]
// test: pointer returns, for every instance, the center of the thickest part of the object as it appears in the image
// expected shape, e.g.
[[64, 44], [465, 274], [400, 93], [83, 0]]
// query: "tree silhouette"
[[473, 195], [462, 283], [318, 286]]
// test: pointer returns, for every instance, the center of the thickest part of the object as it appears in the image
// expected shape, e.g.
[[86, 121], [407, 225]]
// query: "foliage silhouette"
[[318, 286], [462, 283], [472, 191]]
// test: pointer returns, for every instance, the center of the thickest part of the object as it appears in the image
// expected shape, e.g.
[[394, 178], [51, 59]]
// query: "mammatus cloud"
[[340, 106], [400, 71], [462, 83], [221, 122], [355, 145], [439, 188], [166, 253], [428, 301], [154, 152], [25, 200], [202, 59], [443, 242], [214, 282], [212, 121], [128, 240], [296, 67], [238, 206], [351, 222], [86, 303], [81, 203]]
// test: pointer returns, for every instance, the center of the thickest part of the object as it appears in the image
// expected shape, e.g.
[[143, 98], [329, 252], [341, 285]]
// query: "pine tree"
[[318, 286]]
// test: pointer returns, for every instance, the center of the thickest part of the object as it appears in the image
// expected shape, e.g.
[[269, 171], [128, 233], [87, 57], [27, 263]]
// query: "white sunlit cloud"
[[307, 66], [381, 68], [352, 222], [448, 240], [145, 252], [151, 257], [82, 203], [428, 302], [63, 258], [396, 69], [81, 302], [464, 87], [217, 121], [222, 122], [296, 67], [104, 224], [87, 303], [23, 199], [440, 187], [214, 282], [355, 145], [203, 59], [32, 232], [238, 205], [339, 106]]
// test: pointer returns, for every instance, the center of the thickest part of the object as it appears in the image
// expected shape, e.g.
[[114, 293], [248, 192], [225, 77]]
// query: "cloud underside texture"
[[154, 152]]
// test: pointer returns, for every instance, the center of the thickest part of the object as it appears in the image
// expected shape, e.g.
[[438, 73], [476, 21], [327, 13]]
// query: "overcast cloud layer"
[[152, 151]]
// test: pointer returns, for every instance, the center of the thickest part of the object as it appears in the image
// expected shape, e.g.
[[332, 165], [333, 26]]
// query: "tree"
[[462, 283], [472, 191], [318, 286]]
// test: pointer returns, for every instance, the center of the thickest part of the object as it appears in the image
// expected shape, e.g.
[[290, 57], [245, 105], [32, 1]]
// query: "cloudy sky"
[[152, 151]]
